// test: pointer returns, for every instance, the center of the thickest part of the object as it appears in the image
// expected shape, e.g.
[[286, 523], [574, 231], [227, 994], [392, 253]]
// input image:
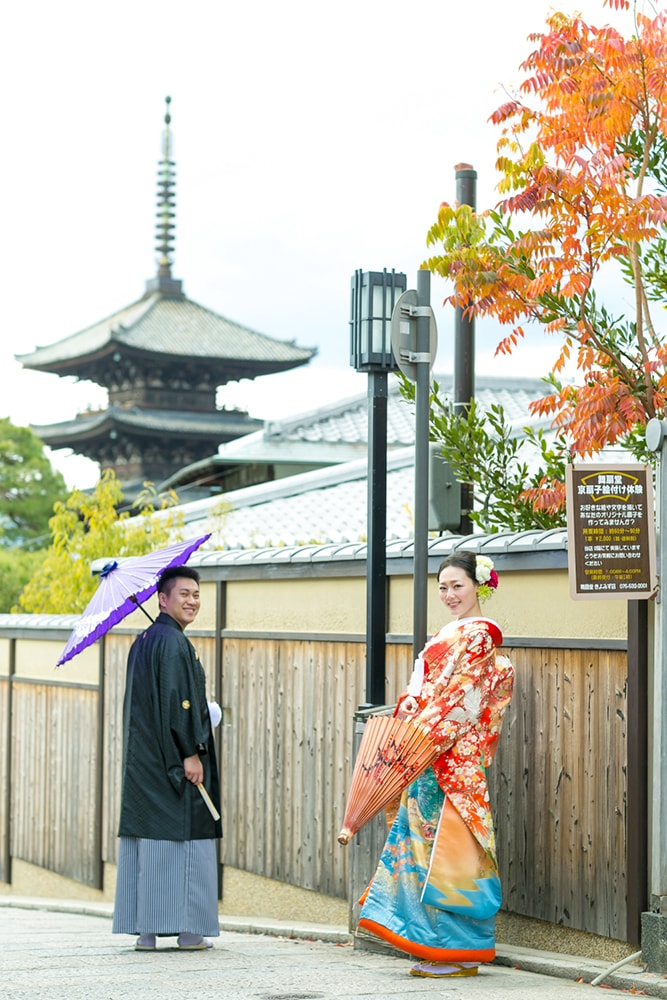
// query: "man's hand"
[[194, 769]]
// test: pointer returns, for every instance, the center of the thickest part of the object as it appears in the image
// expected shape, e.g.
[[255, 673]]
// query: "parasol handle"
[[133, 598], [345, 836]]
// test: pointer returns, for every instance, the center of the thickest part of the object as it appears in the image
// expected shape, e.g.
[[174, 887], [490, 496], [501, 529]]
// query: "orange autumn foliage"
[[583, 163]]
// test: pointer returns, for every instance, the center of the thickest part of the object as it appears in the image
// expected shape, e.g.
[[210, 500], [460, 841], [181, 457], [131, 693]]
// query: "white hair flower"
[[486, 576]]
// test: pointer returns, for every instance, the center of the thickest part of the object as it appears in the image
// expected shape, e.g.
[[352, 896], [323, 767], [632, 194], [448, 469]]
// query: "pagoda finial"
[[166, 214], [166, 200]]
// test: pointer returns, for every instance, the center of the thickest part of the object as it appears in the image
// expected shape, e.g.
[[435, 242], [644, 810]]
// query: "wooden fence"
[[5, 784], [559, 790], [286, 756], [559, 782]]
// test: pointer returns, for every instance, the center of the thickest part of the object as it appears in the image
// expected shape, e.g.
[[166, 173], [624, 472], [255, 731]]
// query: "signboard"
[[404, 334], [611, 531]]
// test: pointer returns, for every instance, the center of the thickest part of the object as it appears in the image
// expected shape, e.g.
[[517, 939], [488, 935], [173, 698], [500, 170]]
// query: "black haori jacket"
[[165, 719]]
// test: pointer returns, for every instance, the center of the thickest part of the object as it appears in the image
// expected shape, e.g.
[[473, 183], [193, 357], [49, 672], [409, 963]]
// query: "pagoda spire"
[[166, 216]]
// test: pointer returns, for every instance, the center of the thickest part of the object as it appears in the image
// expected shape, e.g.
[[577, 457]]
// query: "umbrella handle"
[[133, 598]]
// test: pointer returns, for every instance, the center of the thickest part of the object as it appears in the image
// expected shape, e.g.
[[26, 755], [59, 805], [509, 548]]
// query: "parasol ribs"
[[392, 754]]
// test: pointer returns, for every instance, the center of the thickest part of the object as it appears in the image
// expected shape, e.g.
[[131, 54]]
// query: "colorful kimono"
[[436, 889]]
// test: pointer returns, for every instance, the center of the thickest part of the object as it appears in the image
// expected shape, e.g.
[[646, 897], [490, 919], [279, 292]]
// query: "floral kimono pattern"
[[436, 890]]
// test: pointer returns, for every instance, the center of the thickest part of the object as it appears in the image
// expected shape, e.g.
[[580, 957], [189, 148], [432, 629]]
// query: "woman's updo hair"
[[464, 560]]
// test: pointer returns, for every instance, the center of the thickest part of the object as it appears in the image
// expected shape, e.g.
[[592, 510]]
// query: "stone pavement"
[[58, 949]]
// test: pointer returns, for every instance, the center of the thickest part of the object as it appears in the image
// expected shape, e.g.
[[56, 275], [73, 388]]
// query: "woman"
[[436, 890]]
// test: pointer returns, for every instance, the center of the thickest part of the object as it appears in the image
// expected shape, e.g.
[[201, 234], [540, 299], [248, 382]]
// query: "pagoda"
[[161, 360]]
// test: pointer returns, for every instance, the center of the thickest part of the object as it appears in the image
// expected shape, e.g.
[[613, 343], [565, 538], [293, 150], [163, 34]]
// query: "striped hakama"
[[166, 887]]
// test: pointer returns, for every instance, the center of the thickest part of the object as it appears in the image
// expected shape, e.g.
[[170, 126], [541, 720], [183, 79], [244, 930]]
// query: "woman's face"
[[458, 592]]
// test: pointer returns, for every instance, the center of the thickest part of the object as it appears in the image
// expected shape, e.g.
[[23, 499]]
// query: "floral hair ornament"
[[486, 577]]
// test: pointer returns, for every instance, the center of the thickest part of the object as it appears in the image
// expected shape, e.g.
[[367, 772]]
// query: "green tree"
[[17, 566], [582, 158], [29, 488], [503, 468], [86, 527]]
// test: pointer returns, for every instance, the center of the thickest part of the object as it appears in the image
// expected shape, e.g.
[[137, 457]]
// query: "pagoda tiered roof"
[[176, 329]]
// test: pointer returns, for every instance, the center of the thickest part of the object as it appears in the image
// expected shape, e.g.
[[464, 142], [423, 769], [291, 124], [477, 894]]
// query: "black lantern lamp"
[[374, 294]]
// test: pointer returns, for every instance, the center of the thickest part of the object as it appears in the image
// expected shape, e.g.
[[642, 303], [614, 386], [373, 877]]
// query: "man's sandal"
[[145, 942], [188, 944]]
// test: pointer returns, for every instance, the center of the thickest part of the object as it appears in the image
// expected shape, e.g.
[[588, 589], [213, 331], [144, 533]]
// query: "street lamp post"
[[374, 294]]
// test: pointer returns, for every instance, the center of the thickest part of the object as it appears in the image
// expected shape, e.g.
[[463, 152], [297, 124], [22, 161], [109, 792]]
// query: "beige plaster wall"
[[539, 603], [4, 657], [206, 617], [331, 605], [401, 609], [37, 658], [525, 604]]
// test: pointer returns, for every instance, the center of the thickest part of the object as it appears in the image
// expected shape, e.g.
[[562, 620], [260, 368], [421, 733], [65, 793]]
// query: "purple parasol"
[[123, 587]]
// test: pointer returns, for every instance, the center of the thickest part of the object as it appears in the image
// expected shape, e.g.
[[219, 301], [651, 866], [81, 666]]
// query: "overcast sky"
[[311, 139]]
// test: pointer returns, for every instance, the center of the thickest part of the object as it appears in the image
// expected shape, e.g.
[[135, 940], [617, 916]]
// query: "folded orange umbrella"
[[392, 753]]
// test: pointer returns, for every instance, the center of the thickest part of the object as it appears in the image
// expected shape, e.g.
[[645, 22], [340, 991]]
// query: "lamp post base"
[[654, 942]]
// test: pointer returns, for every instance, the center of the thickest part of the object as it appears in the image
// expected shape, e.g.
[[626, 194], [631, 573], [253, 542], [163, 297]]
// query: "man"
[[167, 875]]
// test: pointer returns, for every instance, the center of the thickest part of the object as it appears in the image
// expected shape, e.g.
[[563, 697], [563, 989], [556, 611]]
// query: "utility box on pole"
[[444, 493]]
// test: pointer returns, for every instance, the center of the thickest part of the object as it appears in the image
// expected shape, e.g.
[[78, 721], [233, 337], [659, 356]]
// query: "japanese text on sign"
[[611, 531]]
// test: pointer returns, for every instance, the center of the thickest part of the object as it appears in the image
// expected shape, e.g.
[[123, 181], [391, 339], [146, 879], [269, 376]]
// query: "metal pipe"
[[613, 968], [636, 851], [422, 400], [464, 341], [658, 749]]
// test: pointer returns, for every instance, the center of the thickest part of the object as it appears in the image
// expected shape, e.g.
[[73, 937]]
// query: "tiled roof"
[[504, 544], [220, 422], [269, 513], [40, 622], [346, 422], [173, 326], [328, 506]]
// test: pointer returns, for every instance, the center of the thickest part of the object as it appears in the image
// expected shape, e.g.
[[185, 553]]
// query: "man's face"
[[182, 602]]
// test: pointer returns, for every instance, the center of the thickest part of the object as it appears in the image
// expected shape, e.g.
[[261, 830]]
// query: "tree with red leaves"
[[583, 165]]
